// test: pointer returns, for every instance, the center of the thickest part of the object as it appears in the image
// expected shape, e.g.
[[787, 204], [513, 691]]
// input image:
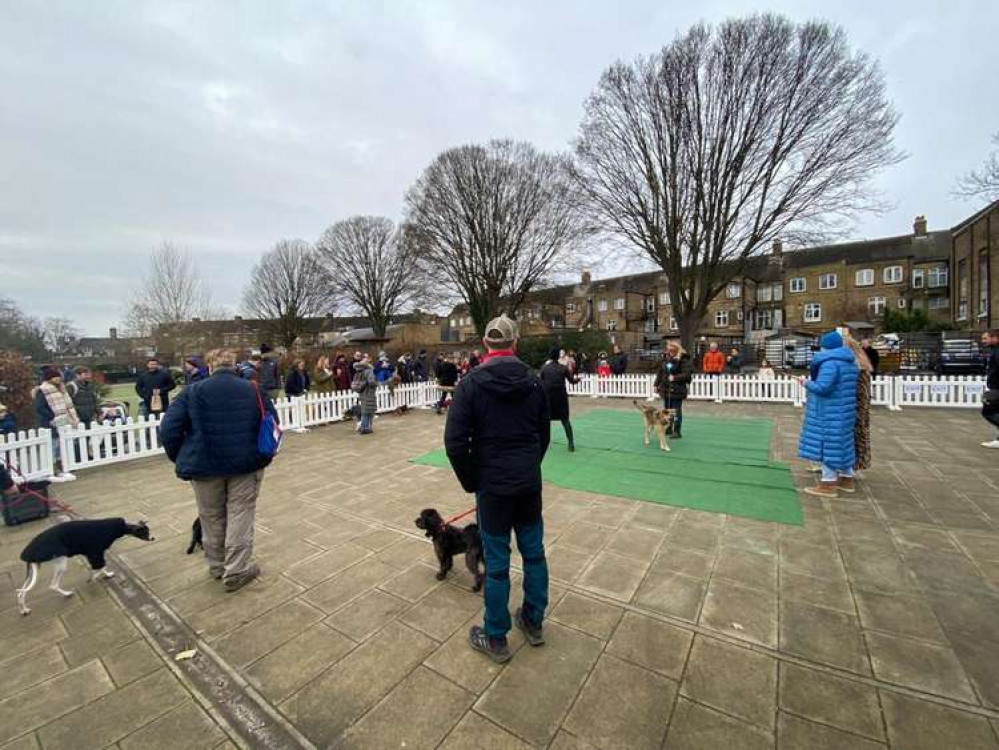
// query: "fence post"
[[798, 391], [895, 402], [651, 382], [717, 388], [66, 454], [298, 410]]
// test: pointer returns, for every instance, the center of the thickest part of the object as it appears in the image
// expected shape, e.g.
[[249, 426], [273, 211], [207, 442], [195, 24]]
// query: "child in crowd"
[[8, 425]]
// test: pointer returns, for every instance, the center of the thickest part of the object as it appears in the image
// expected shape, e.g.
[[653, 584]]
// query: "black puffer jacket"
[[554, 377], [497, 429], [681, 370], [210, 430]]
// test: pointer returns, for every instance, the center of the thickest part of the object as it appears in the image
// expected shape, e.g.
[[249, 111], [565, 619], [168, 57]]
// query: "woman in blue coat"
[[830, 414]]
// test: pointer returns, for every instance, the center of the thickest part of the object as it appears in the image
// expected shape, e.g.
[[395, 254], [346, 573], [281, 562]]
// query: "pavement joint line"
[[231, 701], [873, 682]]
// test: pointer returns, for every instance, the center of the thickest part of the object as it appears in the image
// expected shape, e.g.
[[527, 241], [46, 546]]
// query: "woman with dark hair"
[[554, 377], [298, 381]]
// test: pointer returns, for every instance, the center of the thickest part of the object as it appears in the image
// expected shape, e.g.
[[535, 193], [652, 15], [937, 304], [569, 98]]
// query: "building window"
[[983, 285], [602, 305], [764, 294], [797, 285], [619, 303], [672, 323], [570, 307], [663, 298], [938, 277], [612, 325], [778, 292], [733, 290], [721, 319], [893, 274], [939, 303], [876, 306], [902, 303], [865, 277], [827, 281], [650, 304], [918, 279], [813, 312], [763, 319], [962, 289], [454, 323]]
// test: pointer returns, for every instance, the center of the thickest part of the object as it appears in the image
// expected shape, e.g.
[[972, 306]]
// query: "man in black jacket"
[[155, 381], [496, 437], [210, 433], [990, 399], [873, 356], [447, 378]]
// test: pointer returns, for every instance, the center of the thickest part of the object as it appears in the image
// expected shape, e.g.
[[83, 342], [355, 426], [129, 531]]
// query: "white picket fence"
[[99, 445]]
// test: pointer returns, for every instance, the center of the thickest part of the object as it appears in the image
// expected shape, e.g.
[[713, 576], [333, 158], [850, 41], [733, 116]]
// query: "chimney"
[[113, 333], [238, 318], [195, 320], [919, 226], [587, 278], [777, 253]]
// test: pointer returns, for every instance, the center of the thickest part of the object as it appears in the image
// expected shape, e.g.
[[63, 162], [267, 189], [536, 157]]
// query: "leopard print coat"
[[862, 428]]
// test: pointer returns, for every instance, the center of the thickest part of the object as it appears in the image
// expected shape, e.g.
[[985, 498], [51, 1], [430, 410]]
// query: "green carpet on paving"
[[720, 465]]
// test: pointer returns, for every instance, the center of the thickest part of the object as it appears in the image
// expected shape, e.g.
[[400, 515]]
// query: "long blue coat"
[[831, 410]]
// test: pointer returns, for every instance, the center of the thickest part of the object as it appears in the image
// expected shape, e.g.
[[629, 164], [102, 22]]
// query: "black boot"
[[676, 432], [568, 435]]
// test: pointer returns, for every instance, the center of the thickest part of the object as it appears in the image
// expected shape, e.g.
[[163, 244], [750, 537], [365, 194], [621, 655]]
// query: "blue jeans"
[[496, 547], [366, 418], [832, 475]]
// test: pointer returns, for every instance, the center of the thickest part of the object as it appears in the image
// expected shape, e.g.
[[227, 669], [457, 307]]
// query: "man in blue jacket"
[[210, 432], [496, 436], [830, 416]]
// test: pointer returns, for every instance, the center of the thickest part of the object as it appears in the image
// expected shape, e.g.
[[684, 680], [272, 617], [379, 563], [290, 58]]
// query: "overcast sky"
[[225, 126]]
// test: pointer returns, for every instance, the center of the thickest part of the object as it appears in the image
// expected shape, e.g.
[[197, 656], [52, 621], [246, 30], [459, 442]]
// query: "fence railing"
[[101, 444]]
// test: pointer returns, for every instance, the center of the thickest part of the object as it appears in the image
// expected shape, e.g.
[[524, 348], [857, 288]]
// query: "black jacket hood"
[[506, 378]]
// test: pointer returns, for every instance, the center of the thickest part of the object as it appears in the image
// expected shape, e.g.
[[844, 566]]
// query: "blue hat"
[[832, 340]]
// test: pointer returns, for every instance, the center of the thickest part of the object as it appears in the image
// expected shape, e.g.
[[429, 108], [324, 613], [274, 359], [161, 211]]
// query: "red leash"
[[25, 492], [468, 512]]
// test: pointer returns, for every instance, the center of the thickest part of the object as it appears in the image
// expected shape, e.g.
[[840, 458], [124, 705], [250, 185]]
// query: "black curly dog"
[[450, 541], [197, 539]]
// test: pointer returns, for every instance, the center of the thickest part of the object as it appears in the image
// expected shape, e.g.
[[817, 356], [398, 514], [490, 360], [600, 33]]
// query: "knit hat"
[[501, 330], [832, 340], [49, 372]]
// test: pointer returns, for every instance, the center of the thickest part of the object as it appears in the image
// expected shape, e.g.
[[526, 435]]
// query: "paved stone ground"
[[876, 624]]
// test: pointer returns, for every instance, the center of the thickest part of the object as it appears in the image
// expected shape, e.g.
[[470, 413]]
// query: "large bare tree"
[[370, 267], [702, 154], [60, 334], [287, 286], [492, 222], [172, 291], [984, 182]]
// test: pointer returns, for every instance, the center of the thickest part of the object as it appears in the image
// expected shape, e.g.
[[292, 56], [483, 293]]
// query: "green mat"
[[720, 465]]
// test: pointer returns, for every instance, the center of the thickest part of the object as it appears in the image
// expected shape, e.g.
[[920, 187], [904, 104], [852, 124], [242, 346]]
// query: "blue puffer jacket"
[[831, 410], [210, 430]]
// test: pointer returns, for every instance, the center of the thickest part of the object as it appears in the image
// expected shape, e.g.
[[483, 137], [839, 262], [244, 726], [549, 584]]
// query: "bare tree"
[[60, 334], [368, 266], [173, 291], [287, 286], [491, 223], [984, 182], [699, 156]]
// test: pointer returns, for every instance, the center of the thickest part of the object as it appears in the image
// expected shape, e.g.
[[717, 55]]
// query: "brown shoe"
[[238, 581], [823, 489], [846, 485]]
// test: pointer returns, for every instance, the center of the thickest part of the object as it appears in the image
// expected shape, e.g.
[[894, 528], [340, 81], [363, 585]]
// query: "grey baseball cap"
[[501, 330]]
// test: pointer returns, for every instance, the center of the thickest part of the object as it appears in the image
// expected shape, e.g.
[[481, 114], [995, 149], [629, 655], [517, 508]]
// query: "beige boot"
[[823, 489], [846, 485]]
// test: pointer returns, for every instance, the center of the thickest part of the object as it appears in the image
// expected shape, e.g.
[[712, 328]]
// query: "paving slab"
[[30, 669], [298, 661], [443, 611], [636, 718], [367, 614], [588, 615], [265, 633], [736, 681], [131, 662], [672, 594], [927, 667], [614, 576], [696, 727], [829, 699], [416, 715], [748, 614], [901, 615], [534, 692], [823, 636], [915, 724], [186, 727], [473, 731], [794, 733], [334, 593], [652, 644]]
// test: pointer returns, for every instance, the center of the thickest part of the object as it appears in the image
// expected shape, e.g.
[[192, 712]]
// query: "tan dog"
[[661, 419]]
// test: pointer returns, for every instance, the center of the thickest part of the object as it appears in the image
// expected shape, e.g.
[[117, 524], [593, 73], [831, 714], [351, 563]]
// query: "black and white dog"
[[92, 539], [450, 541]]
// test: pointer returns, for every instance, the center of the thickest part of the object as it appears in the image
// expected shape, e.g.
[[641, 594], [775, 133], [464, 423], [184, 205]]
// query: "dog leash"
[[468, 512]]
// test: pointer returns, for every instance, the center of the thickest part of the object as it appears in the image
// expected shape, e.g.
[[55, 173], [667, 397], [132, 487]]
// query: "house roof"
[[958, 229]]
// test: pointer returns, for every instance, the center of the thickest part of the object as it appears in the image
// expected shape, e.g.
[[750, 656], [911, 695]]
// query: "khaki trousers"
[[227, 508]]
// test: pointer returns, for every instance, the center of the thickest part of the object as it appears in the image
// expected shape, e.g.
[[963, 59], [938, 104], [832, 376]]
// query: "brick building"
[[975, 263]]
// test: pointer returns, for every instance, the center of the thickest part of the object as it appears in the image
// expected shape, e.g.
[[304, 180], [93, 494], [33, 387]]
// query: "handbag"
[[269, 435], [156, 402]]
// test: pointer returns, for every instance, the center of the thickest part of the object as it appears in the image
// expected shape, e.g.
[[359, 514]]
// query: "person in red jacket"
[[714, 361]]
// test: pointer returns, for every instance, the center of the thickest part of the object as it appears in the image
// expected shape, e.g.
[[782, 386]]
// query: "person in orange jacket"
[[714, 361]]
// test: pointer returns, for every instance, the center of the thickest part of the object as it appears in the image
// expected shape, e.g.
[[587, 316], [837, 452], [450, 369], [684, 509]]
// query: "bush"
[[915, 322], [534, 350], [17, 379]]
